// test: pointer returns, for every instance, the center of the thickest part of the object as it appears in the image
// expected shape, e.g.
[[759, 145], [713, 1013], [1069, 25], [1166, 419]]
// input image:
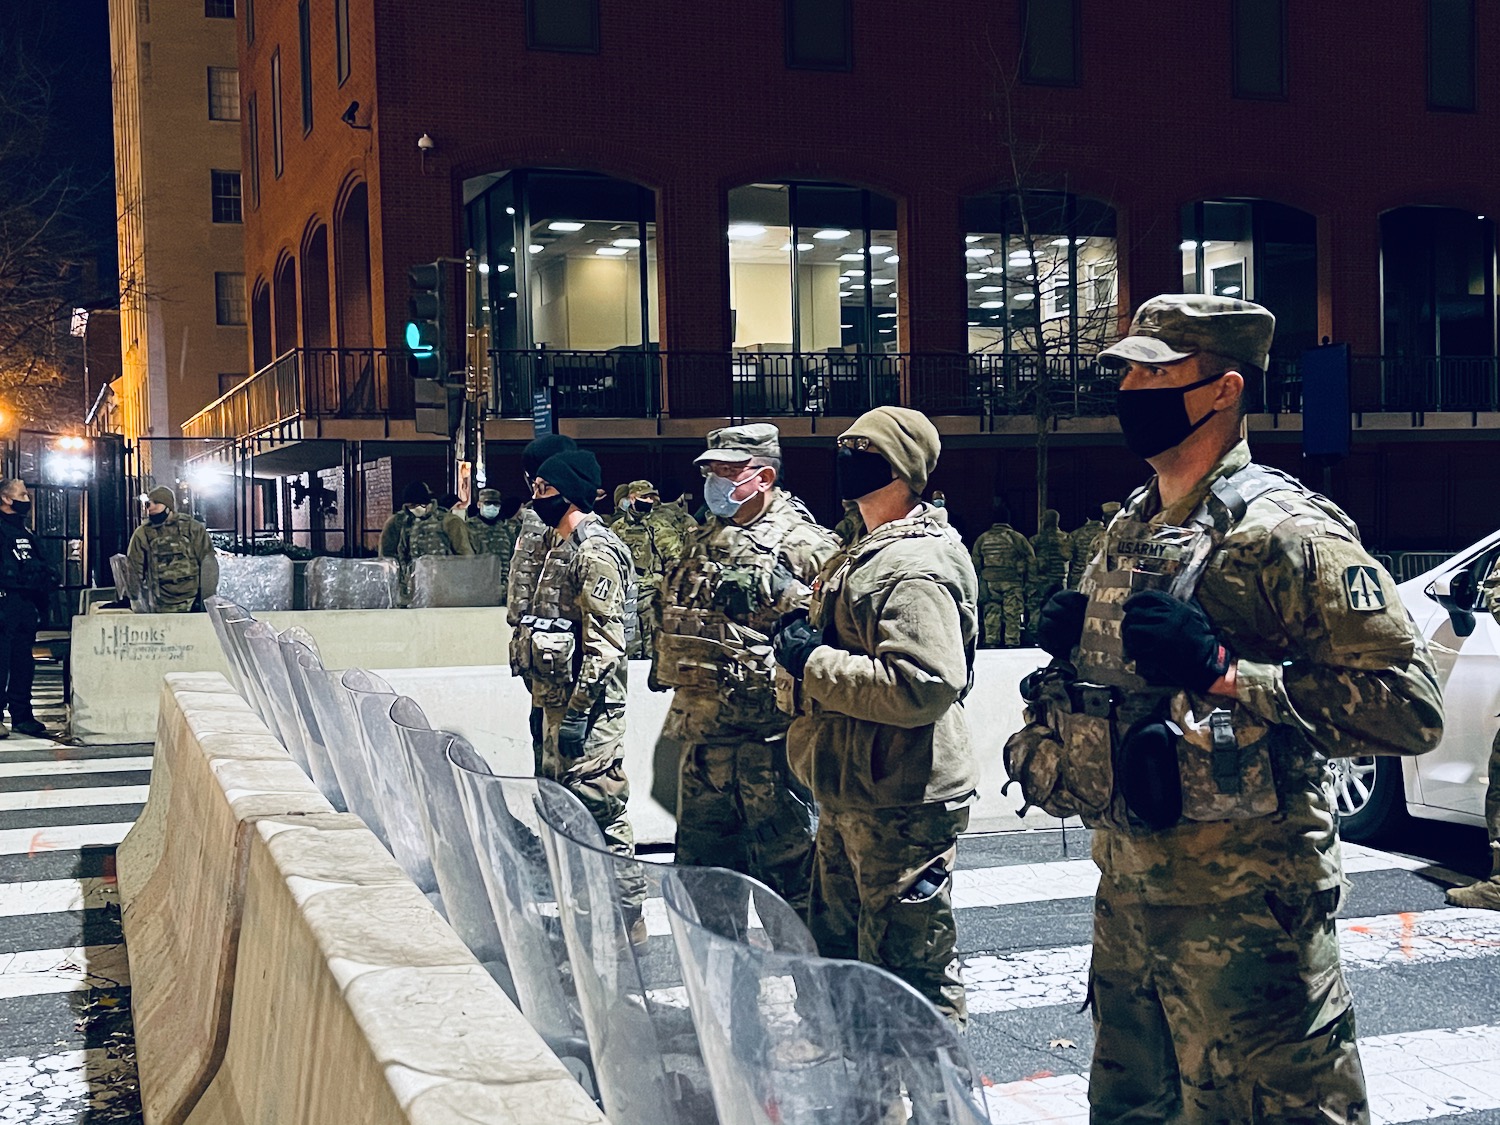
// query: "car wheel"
[[1368, 796]]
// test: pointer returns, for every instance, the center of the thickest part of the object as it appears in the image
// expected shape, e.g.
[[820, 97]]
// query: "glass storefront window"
[[1438, 293], [1259, 251], [1040, 272]]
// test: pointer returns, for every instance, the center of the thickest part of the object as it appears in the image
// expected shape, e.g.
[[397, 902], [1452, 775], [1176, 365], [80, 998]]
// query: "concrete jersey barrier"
[[284, 969]]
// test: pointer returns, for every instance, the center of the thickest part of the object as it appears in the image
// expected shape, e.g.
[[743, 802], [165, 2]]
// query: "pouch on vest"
[[1148, 771], [552, 649], [1083, 715], [1224, 760]]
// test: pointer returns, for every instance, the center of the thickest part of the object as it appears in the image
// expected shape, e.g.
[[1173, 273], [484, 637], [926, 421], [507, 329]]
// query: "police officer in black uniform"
[[25, 582]]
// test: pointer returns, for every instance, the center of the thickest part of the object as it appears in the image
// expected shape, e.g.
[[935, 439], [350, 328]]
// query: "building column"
[[1149, 246], [931, 314], [1349, 278], [693, 280]]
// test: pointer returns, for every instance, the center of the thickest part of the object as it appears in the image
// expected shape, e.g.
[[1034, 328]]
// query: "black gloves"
[[736, 594], [1059, 625], [794, 641], [571, 736], [1173, 643]]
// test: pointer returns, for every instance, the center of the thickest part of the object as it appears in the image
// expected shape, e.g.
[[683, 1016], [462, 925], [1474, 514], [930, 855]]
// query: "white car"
[[1372, 794]]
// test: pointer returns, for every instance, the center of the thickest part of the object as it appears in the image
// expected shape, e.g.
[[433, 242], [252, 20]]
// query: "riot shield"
[[351, 583], [456, 580], [258, 582]]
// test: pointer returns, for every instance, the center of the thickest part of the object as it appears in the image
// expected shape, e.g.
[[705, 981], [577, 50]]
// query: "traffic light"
[[439, 406], [427, 320]]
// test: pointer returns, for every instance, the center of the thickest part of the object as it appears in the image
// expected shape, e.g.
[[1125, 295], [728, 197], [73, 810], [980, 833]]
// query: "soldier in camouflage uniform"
[[851, 527], [1084, 542], [572, 643], [680, 512], [491, 535], [1052, 549], [1230, 637], [622, 501], [172, 553], [433, 530], [1004, 561], [1486, 894], [882, 664], [754, 560], [654, 543]]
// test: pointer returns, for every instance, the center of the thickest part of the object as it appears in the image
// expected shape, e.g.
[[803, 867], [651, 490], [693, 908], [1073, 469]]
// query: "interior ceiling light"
[[886, 316], [854, 273], [628, 243], [992, 304], [973, 276], [989, 289], [831, 234], [564, 225], [880, 249], [746, 230], [611, 251], [1024, 297], [976, 252], [973, 238], [882, 281], [510, 210], [851, 257], [893, 259], [846, 326], [1187, 244], [1059, 242], [535, 249], [886, 331]]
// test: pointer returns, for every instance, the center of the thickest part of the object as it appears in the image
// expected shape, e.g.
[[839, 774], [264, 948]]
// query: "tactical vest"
[[427, 536], [172, 570], [706, 651], [491, 538], [555, 598], [1225, 756], [526, 563], [999, 550]]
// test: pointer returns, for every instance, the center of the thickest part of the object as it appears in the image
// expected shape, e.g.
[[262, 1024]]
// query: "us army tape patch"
[[1362, 588]]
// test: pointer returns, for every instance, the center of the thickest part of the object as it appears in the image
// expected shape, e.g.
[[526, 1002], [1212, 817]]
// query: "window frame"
[[1021, 64], [214, 9], [223, 300], [792, 63], [1283, 47], [343, 62], [238, 108], [252, 125], [236, 196], [1473, 100], [532, 43], [304, 62], [278, 148]]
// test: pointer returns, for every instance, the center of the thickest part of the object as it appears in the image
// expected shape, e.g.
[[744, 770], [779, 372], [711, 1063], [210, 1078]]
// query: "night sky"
[[69, 41]]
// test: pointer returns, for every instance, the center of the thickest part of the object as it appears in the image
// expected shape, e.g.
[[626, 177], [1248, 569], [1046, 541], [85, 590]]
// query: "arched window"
[[352, 270], [284, 294], [1041, 271], [260, 325], [317, 329]]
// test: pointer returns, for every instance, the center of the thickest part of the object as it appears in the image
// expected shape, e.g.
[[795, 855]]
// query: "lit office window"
[[562, 25], [819, 34], [1450, 54], [1049, 42], [341, 37], [1052, 290], [219, 9], [1437, 285], [226, 197], [223, 93], [277, 163], [304, 61], [229, 298], [1259, 46], [252, 119]]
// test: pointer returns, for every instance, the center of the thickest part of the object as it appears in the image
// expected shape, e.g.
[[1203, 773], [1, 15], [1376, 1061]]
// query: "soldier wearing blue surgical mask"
[[491, 535]]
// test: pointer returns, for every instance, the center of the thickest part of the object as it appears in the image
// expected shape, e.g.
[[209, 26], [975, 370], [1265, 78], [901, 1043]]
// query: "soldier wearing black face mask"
[[25, 582]]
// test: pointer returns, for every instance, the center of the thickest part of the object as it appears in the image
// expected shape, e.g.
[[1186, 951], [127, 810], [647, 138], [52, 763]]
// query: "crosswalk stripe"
[[55, 1085], [55, 896], [1039, 978], [29, 799], [41, 972], [1411, 1076], [84, 765], [64, 837]]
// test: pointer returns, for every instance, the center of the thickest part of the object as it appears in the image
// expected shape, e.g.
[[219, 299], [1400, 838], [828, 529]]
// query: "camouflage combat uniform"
[[176, 562], [439, 532], [390, 535], [1052, 548], [735, 805], [1082, 543], [852, 526], [881, 741], [572, 647], [654, 544], [496, 538], [1486, 893], [1216, 986], [1004, 561], [521, 587]]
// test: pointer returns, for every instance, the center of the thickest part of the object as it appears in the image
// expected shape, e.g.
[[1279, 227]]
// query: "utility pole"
[[471, 474]]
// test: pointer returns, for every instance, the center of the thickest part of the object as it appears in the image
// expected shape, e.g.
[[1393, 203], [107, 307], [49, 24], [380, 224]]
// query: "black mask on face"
[[643, 507], [860, 472], [158, 517], [20, 507], [1155, 420], [551, 509]]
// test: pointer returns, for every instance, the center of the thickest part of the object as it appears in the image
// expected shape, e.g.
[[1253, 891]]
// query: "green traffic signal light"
[[426, 309]]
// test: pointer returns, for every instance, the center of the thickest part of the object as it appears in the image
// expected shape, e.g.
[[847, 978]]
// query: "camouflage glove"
[[1059, 625], [572, 735], [1173, 643], [794, 641]]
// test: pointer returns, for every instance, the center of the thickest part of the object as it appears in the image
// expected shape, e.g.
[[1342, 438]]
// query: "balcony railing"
[[303, 388]]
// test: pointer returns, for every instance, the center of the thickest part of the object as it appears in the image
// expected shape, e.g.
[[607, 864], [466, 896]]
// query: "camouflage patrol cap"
[[1174, 326], [489, 496], [621, 491], [1109, 508], [638, 488], [738, 444]]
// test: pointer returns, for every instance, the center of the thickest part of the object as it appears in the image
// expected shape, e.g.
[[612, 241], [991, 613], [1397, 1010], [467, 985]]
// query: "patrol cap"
[[1109, 508], [161, 494], [489, 496], [639, 488], [1174, 326], [906, 438], [621, 491], [738, 444]]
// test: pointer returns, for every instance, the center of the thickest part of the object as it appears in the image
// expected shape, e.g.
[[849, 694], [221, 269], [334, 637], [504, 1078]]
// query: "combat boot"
[[1478, 896]]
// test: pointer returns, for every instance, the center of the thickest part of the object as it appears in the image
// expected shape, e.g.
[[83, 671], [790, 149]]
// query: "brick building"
[[818, 205]]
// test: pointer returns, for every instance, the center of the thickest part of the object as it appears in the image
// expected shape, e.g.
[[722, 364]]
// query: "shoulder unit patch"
[[1362, 588]]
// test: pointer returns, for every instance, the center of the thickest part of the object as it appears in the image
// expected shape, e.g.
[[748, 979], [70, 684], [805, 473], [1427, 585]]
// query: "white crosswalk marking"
[[37, 972], [27, 799], [66, 837], [54, 896], [55, 1085], [73, 766]]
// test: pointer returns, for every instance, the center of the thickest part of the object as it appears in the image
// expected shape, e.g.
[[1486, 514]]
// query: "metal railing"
[[1424, 383]]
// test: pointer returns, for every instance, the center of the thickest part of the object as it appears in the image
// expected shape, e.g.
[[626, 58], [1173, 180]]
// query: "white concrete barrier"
[[285, 970], [118, 659]]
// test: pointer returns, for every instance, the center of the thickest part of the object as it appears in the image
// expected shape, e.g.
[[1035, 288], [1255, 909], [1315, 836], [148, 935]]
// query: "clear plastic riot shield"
[[257, 582], [270, 673], [646, 1055], [454, 859], [294, 649], [127, 578], [395, 791], [456, 580], [794, 1039], [505, 830], [351, 583], [338, 726], [219, 613]]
